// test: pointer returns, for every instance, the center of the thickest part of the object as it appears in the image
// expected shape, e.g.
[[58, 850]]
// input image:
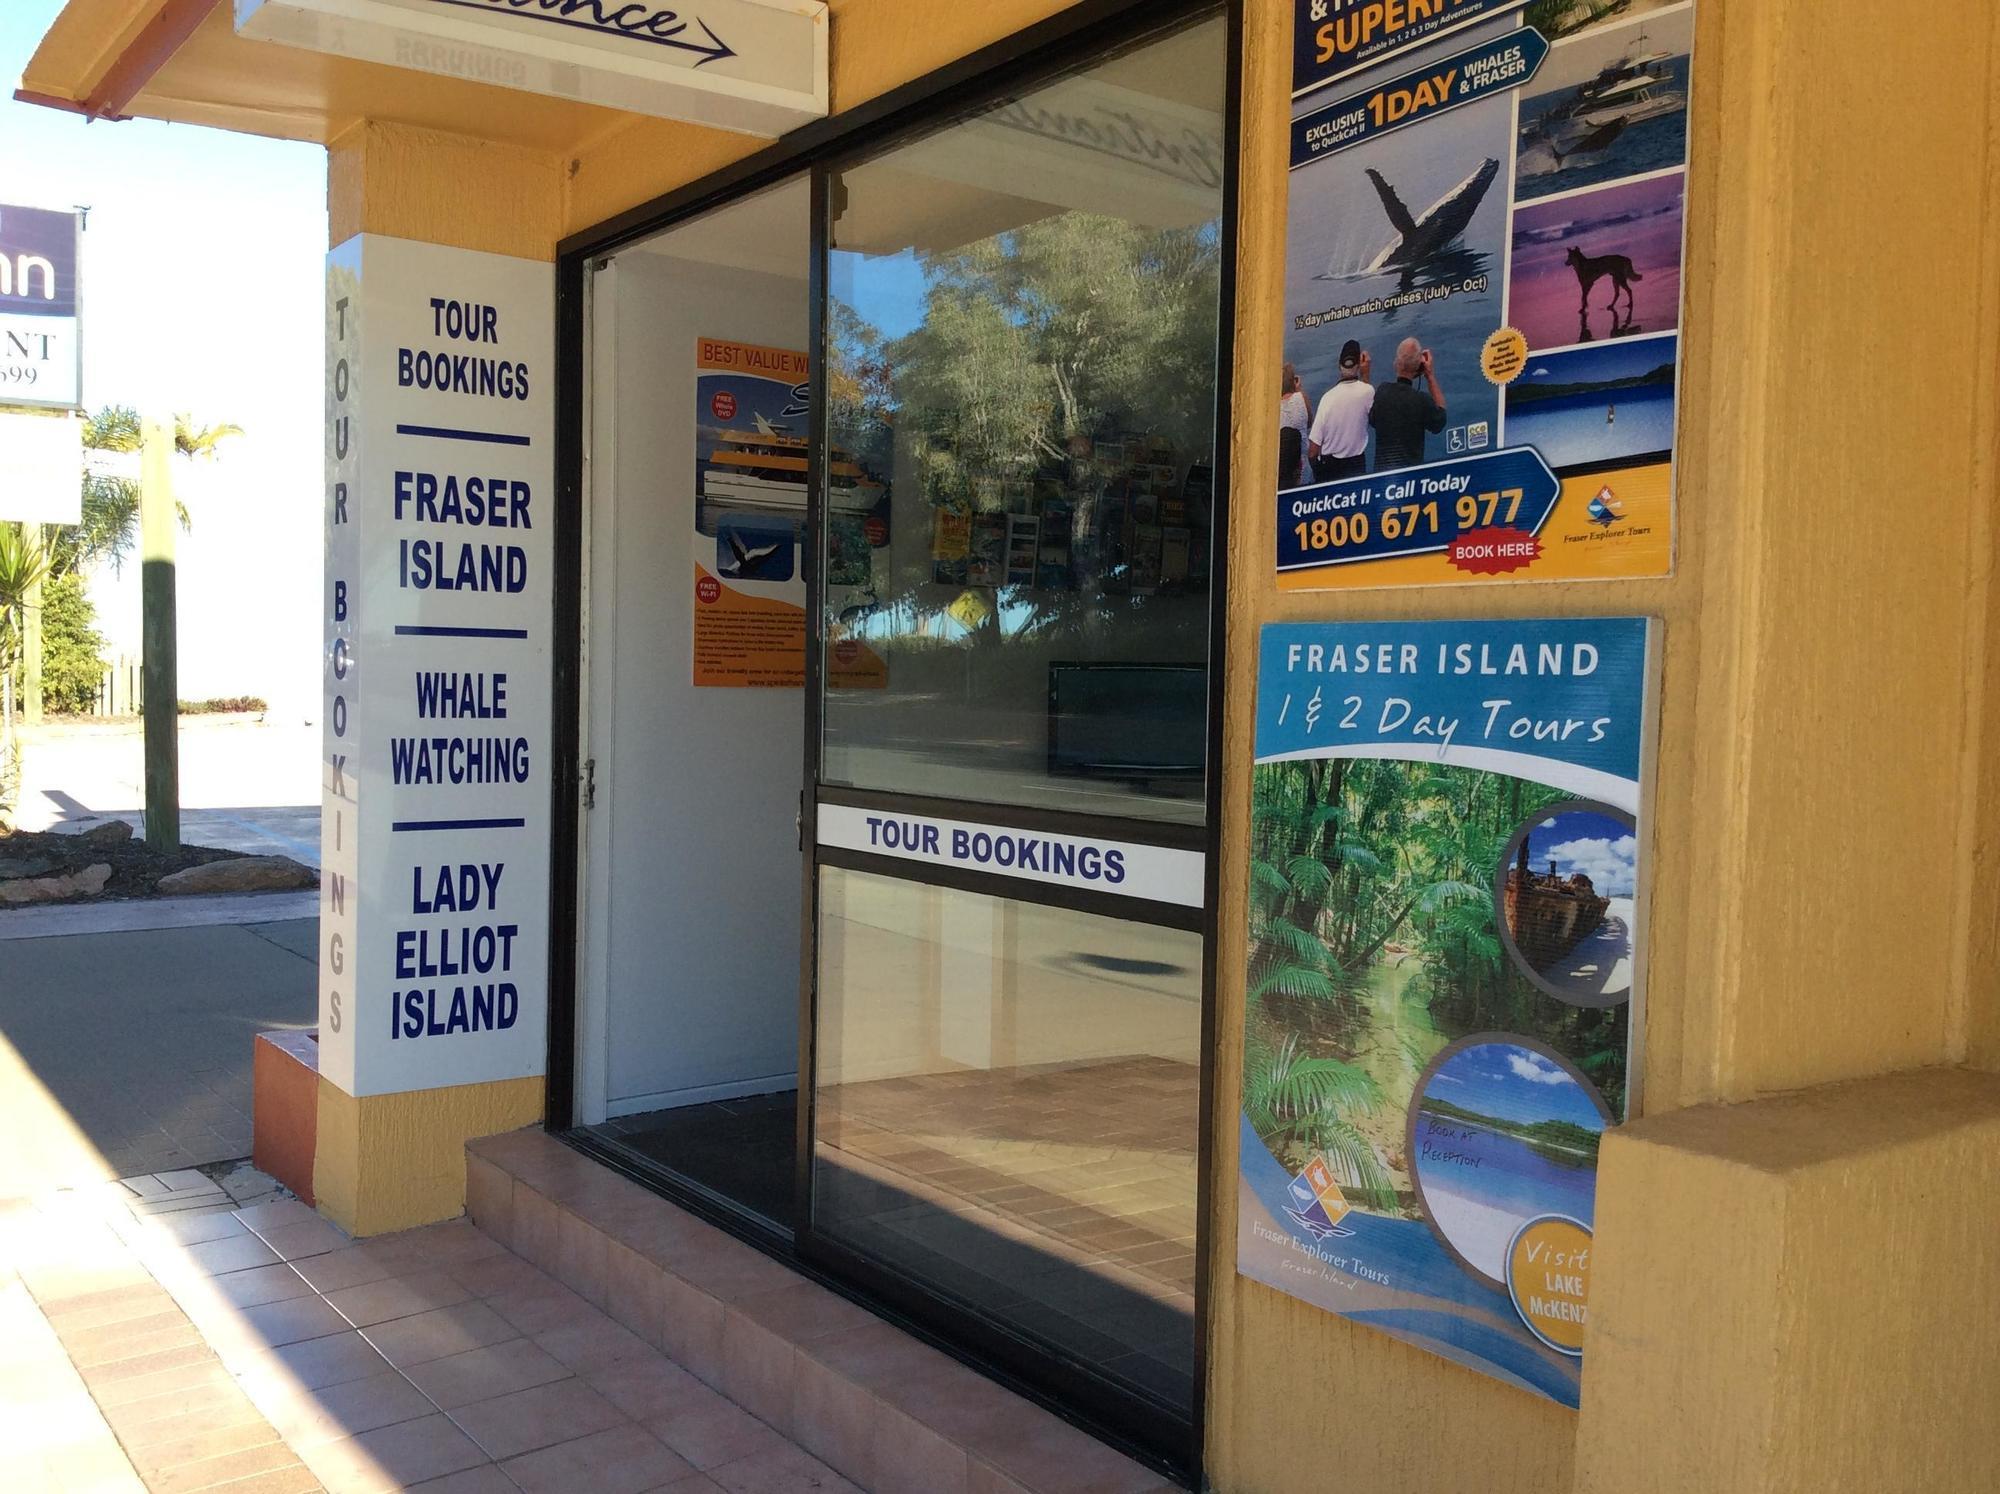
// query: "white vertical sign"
[[439, 600]]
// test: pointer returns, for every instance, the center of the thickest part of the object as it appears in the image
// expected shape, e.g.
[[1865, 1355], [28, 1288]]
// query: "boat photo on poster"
[[1485, 227], [750, 492], [1446, 898]]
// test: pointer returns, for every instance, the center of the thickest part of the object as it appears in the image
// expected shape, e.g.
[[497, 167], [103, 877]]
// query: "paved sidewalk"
[[128, 915], [259, 1350], [245, 785], [124, 1053]]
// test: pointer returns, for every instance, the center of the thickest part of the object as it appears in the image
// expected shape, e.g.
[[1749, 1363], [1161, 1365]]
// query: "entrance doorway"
[[901, 580], [688, 1032]]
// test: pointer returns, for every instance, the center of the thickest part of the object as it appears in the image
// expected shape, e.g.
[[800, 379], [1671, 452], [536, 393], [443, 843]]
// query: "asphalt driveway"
[[129, 1052]]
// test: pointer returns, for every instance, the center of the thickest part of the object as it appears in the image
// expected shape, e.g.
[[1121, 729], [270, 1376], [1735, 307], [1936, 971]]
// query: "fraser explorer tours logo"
[[1317, 1202], [633, 19]]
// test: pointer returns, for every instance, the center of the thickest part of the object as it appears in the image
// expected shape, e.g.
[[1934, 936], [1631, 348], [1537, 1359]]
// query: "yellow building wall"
[[1821, 835], [389, 1162], [1798, 1295]]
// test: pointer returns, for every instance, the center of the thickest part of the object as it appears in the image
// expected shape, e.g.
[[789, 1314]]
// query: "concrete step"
[[886, 1410]]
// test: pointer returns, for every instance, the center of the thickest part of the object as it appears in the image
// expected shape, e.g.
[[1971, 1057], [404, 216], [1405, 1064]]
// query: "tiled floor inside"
[[742, 1149], [1057, 1197], [260, 1351]]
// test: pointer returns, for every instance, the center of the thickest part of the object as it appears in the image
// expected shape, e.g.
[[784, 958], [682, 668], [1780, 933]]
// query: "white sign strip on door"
[[1120, 868]]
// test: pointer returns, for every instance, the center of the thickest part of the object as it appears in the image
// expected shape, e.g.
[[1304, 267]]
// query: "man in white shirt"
[[1337, 445]]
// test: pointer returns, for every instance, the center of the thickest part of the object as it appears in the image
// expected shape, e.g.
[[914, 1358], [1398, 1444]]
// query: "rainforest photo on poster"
[[1374, 944]]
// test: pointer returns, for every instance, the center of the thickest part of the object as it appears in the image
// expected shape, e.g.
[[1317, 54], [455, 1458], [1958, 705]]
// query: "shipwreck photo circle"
[[1565, 899]]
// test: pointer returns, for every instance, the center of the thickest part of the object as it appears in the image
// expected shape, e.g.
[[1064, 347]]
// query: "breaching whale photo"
[[1418, 241]]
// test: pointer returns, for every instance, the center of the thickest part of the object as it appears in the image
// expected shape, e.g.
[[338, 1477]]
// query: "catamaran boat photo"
[[1638, 87], [762, 473]]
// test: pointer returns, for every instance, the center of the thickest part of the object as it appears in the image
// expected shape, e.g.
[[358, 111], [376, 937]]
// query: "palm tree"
[[24, 563], [1290, 1098], [111, 504], [192, 440], [110, 516]]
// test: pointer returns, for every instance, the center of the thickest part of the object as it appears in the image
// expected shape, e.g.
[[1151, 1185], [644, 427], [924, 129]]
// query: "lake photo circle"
[[1565, 898], [1502, 1131]]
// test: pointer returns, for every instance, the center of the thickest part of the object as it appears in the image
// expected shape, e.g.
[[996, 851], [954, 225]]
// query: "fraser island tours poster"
[[1445, 909], [1485, 230]]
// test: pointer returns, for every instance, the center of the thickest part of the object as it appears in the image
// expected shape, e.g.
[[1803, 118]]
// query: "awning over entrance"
[[181, 60]]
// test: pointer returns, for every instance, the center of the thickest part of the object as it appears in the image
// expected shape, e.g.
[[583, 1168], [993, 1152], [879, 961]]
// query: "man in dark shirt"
[[1403, 413]]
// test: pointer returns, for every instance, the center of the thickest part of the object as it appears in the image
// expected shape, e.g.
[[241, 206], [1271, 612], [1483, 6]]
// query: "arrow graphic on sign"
[[661, 27]]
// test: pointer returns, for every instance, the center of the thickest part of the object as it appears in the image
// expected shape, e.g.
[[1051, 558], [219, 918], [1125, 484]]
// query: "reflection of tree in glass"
[[1374, 941], [1035, 344]]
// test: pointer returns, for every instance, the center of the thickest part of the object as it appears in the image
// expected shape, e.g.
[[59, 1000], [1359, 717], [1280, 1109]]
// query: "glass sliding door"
[[1016, 554], [1008, 1098]]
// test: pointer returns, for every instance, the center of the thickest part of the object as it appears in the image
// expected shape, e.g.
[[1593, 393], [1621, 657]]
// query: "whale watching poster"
[[1446, 972], [1485, 230]]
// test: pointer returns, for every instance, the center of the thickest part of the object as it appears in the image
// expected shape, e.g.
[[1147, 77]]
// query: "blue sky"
[[886, 289], [202, 268], [1604, 849], [1513, 1083]]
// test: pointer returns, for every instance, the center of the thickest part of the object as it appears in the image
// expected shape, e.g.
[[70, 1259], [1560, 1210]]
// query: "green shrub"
[[71, 666]]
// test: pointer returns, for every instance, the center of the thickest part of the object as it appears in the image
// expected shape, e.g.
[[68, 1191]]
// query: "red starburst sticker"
[[1495, 551]]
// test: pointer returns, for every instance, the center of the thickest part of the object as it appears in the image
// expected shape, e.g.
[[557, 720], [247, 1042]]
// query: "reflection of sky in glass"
[[886, 289], [1513, 1083], [1602, 848]]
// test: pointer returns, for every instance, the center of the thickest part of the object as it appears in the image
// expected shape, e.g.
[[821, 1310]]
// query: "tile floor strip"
[[259, 1351]]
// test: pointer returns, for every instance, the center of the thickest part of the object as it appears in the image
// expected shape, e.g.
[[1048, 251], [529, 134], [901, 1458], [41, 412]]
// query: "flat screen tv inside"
[[1132, 722]]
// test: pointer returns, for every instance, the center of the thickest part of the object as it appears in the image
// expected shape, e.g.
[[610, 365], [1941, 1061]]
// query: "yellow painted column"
[[1825, 810], [392, 1161], [1800, 1295]]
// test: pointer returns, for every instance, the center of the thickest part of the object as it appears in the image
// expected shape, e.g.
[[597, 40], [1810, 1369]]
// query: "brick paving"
[[150, 1343]]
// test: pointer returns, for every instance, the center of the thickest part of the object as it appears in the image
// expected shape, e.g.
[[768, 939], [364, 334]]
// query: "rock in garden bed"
[[68, 866]]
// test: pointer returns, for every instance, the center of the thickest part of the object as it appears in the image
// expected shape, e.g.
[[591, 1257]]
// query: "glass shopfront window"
[[1021, 334], [1008, 1100], [1021, 347]]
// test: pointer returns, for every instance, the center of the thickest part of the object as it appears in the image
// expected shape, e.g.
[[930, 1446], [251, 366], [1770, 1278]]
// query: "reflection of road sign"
[[876, 529], [971, 609], [1317, 1202]]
